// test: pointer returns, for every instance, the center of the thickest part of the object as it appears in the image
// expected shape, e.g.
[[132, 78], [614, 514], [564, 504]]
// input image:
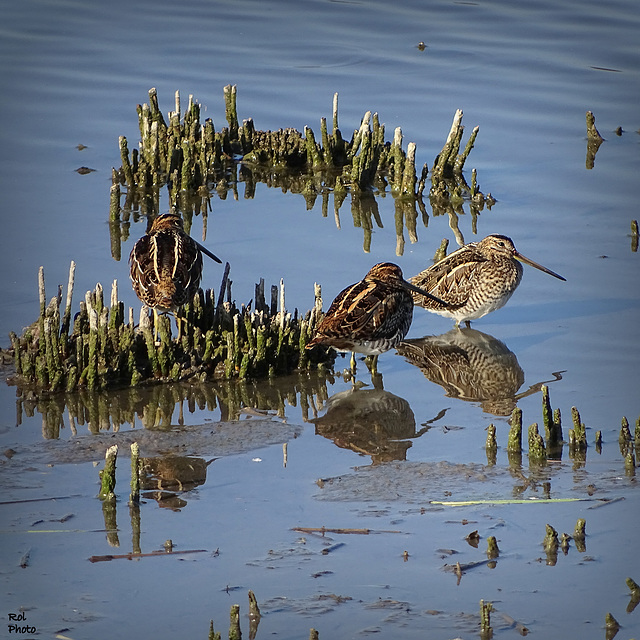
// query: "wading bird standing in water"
[[474, 280], [166, 267], [370, 316]]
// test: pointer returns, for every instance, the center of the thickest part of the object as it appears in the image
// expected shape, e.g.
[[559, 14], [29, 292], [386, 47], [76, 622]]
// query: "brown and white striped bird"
[[370, 316], [474, 280], [166, 267]]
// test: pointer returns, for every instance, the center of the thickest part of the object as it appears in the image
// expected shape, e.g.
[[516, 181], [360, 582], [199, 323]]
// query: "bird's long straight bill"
[[422, 292], [207, 252], [531, 263]]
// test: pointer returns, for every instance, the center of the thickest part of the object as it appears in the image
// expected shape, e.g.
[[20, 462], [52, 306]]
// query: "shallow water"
[[526, 74]]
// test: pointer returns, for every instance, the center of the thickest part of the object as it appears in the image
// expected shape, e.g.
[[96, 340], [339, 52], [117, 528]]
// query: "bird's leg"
[[353, 362], [180, 321], [155, 326]]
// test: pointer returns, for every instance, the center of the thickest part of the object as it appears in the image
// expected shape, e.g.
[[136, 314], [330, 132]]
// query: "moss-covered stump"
[[102, 349]]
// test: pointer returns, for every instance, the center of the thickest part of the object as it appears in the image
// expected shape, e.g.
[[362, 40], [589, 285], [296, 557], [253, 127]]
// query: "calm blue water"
[[72, 73]]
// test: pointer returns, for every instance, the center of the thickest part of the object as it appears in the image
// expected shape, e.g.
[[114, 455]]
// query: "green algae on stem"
[[537, 450], [234, 623], [492, 548], [551, 544], [514, 443], [551, 421], [579, 535], [486, 630], [134, 496], [108, 474]]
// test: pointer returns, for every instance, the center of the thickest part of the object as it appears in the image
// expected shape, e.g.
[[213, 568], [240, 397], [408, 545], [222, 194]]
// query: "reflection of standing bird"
[[166, 266], [474, 280], [469, 365], [369, 421], [371, 316]]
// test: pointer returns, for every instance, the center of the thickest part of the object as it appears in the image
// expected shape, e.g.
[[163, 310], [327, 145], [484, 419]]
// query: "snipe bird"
[[474, 280], [370, 316], [166, 267]]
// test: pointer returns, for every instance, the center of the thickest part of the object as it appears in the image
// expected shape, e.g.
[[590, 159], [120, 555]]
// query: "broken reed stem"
[[551, 545], [592, 132], [514, 442], [108, 474], [234, 623], [485, 617], [492, 548], [134, 496], [577, 435], [537, 450]]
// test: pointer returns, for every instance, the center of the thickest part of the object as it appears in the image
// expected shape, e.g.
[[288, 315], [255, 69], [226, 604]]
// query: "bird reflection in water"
[[162, 476], [472, 366], [371, 422]]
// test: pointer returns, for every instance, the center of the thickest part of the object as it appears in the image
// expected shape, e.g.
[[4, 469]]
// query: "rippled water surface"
[[72, 74]]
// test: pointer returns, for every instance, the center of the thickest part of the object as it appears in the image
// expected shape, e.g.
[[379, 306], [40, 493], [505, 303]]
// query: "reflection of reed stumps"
[[594, 140], [134, 514], [635, 594], [254, 616], [630, 463], [551, 544], [579, 535], [486, 631]]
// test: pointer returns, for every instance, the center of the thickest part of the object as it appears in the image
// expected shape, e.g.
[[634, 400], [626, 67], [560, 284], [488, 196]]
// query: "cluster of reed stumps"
[[550, 447], [103, 348], [195, 160]]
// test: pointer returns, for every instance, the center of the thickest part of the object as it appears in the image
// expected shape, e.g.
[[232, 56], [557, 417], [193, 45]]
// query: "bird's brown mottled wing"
[[452, 279], [187, 269], [165, 269], [348, 314], [139, 264]]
